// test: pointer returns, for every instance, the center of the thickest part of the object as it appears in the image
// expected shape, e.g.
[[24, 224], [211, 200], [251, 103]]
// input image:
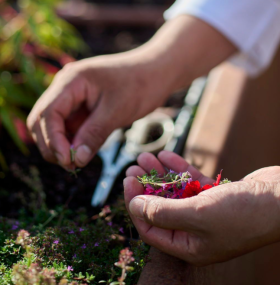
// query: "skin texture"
[[217, 225], [90, 98]]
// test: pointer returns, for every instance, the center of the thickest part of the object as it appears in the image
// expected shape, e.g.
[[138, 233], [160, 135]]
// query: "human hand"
[[219, 224], [93, 97]]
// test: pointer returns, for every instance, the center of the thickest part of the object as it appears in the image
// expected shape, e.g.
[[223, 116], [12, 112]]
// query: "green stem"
[[49, 220], [158, 184]]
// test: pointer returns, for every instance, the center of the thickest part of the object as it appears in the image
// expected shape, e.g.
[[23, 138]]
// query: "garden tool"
[[184, 119], [116, 158]]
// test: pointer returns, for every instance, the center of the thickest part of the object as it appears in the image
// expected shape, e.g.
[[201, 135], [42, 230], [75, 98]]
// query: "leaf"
[[72, 154], [129, 268], [17, 96], [10, 127]]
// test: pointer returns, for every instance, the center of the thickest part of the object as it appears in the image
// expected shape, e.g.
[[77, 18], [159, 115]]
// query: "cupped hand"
[[219, 224], [92, 97]]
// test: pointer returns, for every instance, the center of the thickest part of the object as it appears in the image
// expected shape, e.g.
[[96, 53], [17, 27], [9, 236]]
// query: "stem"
[[158, 184], [123, 276], [49, 220]]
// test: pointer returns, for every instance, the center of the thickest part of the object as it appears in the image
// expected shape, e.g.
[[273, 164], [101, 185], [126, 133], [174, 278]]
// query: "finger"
[[39, 140], [133, 188], [177, 243], [175, 162], [135, 171], [148, 161], [92, 134], [165, 213], [63, 97], [53, 131], [271, 173]]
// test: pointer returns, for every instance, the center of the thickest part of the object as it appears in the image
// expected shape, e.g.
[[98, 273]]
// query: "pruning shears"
[[116, 155], [185, 117]]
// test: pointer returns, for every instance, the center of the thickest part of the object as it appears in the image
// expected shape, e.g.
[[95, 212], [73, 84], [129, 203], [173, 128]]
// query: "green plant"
[[34, 44], [59, 246], [68, 254]]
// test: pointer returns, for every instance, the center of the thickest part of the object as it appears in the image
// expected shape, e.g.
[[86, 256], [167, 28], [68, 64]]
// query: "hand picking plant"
[[34, 44], [175, 185]]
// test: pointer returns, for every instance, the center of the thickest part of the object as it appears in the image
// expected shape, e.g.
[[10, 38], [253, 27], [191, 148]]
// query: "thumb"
[[166, 213], [92, 134]]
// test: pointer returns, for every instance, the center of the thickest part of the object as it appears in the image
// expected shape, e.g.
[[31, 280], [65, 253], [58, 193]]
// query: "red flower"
[[207, 186], [192, 189], [219, 176]]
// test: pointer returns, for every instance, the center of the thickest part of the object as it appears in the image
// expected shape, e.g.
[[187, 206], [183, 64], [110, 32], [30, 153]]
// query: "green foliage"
[[67, 254], [157, 180], [34, 44], [225, 181], [152, 178], [59, 246]]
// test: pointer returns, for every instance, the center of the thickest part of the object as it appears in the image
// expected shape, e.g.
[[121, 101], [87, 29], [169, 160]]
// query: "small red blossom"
[[192, 189], [219, 177], [207, 186]]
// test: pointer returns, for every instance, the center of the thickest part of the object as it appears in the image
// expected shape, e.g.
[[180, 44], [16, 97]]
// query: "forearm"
[[183, 49]]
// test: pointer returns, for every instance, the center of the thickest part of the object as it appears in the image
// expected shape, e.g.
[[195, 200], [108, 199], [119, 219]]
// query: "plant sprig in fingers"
[[72, 157]]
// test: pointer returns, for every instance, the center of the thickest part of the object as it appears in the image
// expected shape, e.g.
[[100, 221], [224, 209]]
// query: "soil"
[[59, 186]]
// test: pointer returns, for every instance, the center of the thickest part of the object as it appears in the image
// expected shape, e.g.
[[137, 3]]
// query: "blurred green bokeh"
[[34, 44]]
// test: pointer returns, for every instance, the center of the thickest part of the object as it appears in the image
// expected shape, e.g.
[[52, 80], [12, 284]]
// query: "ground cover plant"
[[62, 246], [74, 252]]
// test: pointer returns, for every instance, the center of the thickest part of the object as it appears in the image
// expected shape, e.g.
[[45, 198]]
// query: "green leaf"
[[8, 123], [15, 95]]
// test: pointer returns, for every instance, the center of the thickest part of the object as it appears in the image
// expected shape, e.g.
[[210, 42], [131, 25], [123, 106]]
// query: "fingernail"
[[83, 154], [59, 158], [136, 207]]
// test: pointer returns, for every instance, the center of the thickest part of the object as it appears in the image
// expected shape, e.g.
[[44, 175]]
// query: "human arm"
[[217, 225], [112, 91]]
